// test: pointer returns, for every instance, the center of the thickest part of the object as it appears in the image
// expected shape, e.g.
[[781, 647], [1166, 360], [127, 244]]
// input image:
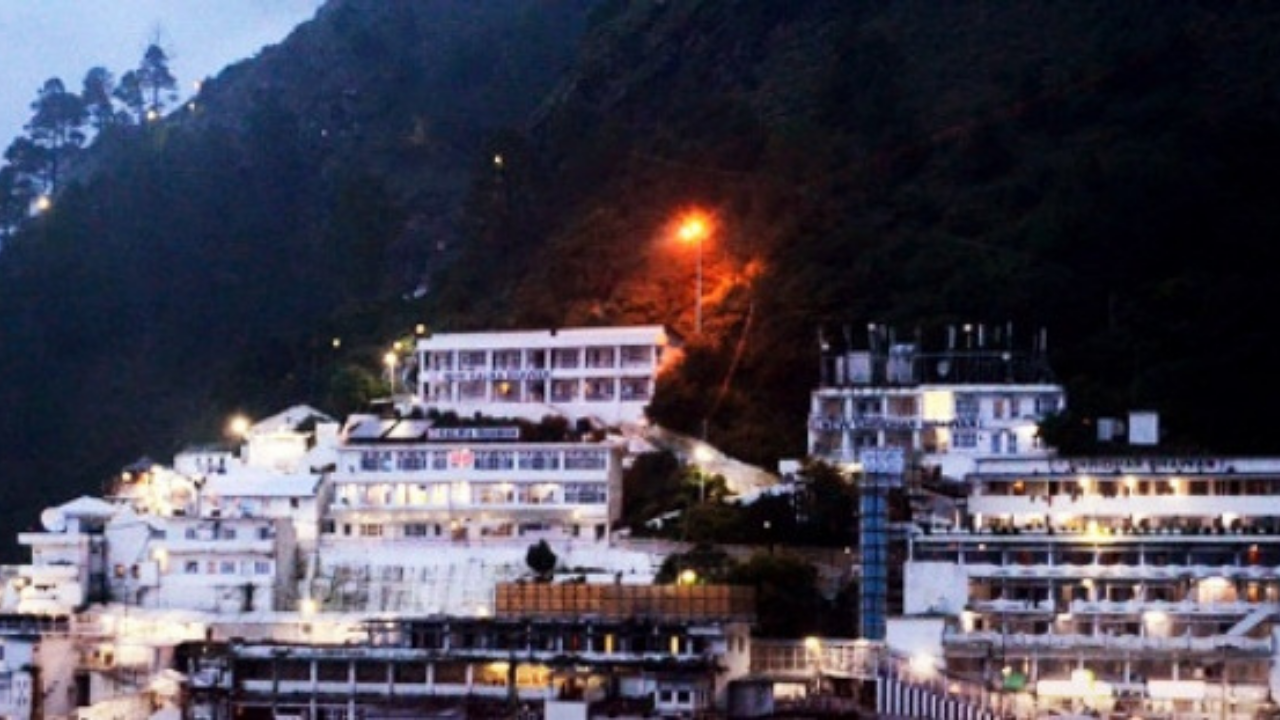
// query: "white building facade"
[[403, 479], [949, 408], [1145, 586], [605, 374]]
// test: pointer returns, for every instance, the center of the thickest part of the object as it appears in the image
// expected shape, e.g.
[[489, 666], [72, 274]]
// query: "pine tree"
[[155, 81], [96, 94], [129, 93], [58, 127]]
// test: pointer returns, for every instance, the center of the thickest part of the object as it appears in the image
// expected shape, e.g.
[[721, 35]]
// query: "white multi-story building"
[[213, 564], [949, 407], [404, 478], [427, 518], [68, 559], [1137, 585], [605, 374]]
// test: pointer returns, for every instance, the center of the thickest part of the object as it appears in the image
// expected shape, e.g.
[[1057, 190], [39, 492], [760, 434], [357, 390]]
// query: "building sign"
[[462, 458], [505, 432], [507, 375]]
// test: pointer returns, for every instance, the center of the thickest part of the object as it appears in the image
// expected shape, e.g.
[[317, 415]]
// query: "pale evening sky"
[[40, 39]]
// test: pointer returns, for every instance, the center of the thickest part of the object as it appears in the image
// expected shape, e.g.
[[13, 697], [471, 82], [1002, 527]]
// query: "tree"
[[96, 94], [788, 603], [57, 126], [155, 81], [16, 197], [541, 559], [129, 93]]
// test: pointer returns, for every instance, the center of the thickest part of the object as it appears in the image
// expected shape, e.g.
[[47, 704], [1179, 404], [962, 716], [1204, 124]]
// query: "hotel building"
[[1143, 585], [605, 374], [620, 650], [947, 408]]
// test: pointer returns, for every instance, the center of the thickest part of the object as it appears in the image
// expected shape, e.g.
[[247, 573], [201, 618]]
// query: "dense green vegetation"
[[1102, 169]]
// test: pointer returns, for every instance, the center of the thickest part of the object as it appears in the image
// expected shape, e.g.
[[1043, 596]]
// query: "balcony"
[[1027, 643]]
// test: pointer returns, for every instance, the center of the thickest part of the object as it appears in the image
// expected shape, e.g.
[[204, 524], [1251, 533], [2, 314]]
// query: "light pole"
[[702, 455], [694, 230], [390, 360]]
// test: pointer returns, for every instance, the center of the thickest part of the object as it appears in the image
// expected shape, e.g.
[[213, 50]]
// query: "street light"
[[390, 360], [694, 230], [702, 454], [238, 426]]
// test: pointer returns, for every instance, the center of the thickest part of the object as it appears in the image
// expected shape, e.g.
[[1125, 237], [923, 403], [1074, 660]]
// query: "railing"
[[814, 657], [1029, 642]]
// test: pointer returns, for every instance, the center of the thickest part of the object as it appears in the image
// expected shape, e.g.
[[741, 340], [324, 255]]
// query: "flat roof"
[[551, 337]]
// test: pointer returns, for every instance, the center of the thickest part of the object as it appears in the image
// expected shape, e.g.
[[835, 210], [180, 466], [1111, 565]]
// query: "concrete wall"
[[935, 587]]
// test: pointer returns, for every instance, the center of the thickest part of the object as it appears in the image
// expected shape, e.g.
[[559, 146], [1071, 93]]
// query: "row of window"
[[411, 460], [453, 530], [968, 406], [227, 533], [566, 358], [227, 567], [446, 494], [562, 390]]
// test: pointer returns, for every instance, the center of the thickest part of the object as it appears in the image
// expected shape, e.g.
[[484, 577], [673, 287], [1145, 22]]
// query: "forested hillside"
[[205, 262], [1101, 169]]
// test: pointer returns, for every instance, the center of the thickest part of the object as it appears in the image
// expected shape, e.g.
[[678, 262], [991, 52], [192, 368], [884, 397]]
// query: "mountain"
[[1100, 169], [206, 263]]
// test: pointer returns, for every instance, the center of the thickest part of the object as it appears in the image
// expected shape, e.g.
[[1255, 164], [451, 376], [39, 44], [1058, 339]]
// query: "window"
[[411, 460], [567, 359], [494, 460], [964, 439], [634, 388], [538, 459], [370, 530], [600, 389], [636, 355], [966, 406], [506, 359], [564, 390], [471, 390], [228, 567], [192, 567], [374, 460], [599, 357], [228, 533], [471, 360], [584, 493], [1046, 404], [415, 530], [327, 527], [190, 534], [585, 460], [261, 567]]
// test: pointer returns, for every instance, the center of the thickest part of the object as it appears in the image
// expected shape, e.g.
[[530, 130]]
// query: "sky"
[[41, 39]]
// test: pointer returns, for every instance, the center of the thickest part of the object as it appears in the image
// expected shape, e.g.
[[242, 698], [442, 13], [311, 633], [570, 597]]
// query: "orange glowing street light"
[[694, 229]]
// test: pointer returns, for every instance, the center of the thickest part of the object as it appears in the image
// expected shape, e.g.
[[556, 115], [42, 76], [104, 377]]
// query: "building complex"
[[376, 567]]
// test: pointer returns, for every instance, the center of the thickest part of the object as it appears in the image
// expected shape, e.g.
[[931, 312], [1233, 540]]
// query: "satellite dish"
[[53, 520], [944, 368]]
